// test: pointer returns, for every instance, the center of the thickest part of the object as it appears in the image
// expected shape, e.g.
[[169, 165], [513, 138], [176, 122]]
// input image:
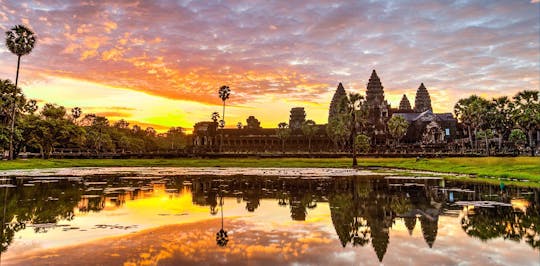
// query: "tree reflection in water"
[[221, 237], [362, 210]]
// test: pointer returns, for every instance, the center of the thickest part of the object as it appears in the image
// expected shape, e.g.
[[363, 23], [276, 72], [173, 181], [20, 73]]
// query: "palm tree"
[[215, 116], [309, 130], [354, 104], [527, 113], [501, 117], [472, 113], [397, 127], [224, 93], [20, 40], [221, 236]]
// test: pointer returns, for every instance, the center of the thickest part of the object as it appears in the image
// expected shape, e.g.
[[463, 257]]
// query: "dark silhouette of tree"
[[20, 40], [500, 117], [221, 236], [472, 112], [527, 114], [397, 127], [283, 133], [309, 129], [215, 117], [224, 93]]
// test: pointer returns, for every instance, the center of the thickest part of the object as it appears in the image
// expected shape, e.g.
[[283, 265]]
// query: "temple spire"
[[422, 102], [334, 104], [405, 105], [375, 90]]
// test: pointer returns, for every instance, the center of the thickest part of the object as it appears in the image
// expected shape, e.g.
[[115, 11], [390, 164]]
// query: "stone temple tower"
[[422, 102], [377, 105], [375, 92], [405, 105], [297, 118], [334, 104]]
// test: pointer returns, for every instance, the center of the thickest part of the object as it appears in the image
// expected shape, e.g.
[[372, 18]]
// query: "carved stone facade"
[[422, 102], [297, 118], [336, 101], [404, 104], [425, 127]]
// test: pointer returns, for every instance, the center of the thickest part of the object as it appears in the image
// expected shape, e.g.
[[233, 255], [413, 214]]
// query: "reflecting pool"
[[175, 216]]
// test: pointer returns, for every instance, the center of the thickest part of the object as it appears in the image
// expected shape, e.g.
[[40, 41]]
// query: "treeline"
[[54, 127], [512, 121]]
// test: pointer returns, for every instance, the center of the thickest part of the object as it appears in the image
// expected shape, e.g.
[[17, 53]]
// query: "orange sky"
[[161, 64]]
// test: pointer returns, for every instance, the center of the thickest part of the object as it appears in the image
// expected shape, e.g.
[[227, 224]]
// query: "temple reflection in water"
[[362, 209]]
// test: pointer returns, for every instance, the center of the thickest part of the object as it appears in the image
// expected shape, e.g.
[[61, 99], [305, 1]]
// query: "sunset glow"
[[160, 64]]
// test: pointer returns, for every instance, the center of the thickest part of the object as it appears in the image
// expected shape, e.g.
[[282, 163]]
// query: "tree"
[[353, 104], [517, 138], [472, 113], [224, 93], [76, 113], [176, 137], [362, 143], [98, 137], [283, 133], [20, 40], [309, 129], [397, 127], [338, 131], [527, 114], [500, 117], [121, 124], [485, 135], [215, 116], [23, 106], [51, 129]]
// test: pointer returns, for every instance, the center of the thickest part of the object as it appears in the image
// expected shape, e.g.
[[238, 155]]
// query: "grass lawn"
[[508, 167]]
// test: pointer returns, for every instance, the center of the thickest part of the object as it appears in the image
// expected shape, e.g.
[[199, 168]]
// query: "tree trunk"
[[309, 145], [530, 133], [500, 141], [11, 155], [353, 142], [487, 145], [470, 136]]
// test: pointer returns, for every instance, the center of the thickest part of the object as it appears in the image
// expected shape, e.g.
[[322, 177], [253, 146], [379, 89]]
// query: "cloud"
[[187, 50]]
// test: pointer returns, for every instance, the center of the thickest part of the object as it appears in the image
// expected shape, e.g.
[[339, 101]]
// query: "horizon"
[[161, 65]]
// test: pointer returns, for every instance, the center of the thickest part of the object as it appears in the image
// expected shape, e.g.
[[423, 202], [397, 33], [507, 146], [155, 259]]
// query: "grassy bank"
[[519, 167]]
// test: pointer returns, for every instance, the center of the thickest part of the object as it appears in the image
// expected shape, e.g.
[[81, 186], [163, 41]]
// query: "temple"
[[422, 102], [427, 131], [404, 104], [339, 95]]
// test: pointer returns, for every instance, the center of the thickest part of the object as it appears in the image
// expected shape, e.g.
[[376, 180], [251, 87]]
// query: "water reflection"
[[362, 210]]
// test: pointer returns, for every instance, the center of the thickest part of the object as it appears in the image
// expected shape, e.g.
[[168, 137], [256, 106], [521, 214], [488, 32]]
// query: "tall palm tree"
[[221, 236], [224, 93], [353, 104], [20, 40]]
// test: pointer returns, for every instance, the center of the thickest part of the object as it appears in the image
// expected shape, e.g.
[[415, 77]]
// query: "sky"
[[161, 63]]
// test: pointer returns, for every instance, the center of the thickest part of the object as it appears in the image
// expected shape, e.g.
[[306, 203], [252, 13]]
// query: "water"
[[168, 216]]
